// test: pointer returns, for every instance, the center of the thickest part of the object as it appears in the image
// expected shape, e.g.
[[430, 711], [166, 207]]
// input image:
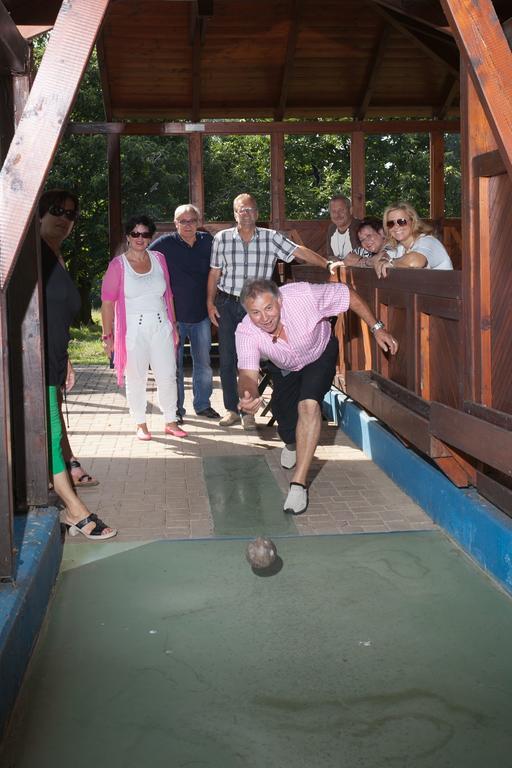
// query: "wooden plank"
[[296, 7], [473, 436], [195, 112], [488, 58], [375, 63], [238, 128], [489, 164], [403, 396], [115, 225], [277, 182], [195, 170], [51, 98], [484, 286], [26, 364], [499, 418], [357, 174], [436, 176], [6, 489], [398, 417], [14, 50], [6, 115], [497, 493]]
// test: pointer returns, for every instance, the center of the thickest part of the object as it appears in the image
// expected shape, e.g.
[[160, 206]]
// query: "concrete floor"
[[157, 490]]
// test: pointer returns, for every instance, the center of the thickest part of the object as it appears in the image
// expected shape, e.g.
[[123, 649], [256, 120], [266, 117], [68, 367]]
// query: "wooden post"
[[6, 494], [357, 174], [195, 170], [437, 178], [115, 226], [277, 182]]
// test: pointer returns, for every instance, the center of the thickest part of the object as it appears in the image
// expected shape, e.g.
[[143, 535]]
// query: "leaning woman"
[[139, 325], [58, 211], [415, 245]]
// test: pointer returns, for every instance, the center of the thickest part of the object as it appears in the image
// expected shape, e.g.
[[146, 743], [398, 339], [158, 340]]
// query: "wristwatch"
[[379, 325]]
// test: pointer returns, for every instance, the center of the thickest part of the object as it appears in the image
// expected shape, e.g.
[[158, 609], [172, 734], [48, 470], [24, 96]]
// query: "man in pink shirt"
[[289, 327]]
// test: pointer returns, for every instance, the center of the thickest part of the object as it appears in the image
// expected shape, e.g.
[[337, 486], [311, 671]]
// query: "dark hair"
[[56, 197], [255, 287], [370, 221], [131, 223]]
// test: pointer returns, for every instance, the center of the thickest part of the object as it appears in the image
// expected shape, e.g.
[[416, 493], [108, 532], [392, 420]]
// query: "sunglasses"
[[69, 213], [390, 223], [145, 235]]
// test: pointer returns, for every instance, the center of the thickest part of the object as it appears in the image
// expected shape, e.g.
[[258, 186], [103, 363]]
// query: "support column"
[[6, 495], [277, 182], [115, 226], [195, 171], [437, 178], [357, 174]]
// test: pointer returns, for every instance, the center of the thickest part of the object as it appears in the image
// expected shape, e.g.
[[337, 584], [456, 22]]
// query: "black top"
[[188, 267], [61, 302]]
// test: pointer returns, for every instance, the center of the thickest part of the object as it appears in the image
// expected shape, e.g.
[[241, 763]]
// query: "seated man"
[[342, 233], [290, 328]]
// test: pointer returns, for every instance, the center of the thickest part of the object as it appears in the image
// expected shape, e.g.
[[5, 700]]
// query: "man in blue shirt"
[[187, 253]]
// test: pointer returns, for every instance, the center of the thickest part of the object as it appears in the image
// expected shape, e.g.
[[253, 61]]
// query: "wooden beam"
[[447, 59], [115, 225], [14, 50], [436, 176], [266, 128], [449, 93], [51, 98], [489, 164], [488, 57], [376, 59], [6, 489], [426, 11], [195, 171], [277, 182], [196, 71], [357, 174], [295, 13]]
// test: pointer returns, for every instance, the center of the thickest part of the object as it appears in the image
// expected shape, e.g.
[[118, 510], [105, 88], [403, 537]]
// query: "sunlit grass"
[[85, 347]]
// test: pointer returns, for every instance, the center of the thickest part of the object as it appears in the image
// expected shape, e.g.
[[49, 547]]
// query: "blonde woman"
[[416, 247]]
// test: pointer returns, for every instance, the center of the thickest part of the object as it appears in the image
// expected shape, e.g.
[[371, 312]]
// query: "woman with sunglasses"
[[415, 245], [139, 325], [58, 211]]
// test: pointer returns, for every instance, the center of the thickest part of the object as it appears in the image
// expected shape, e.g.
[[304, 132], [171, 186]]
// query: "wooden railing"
[[419, 393]]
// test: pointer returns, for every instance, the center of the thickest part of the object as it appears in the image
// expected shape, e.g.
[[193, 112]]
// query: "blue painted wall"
[[481, 529]]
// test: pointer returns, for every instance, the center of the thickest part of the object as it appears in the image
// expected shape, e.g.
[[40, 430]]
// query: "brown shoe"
[[229, 419], [248, 421]]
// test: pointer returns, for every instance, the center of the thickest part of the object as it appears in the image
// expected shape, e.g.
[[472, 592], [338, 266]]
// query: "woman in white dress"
[[139, 325]]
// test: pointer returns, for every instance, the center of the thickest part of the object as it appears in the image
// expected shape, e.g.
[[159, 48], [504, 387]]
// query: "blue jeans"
[[231, 313], [200, 336]]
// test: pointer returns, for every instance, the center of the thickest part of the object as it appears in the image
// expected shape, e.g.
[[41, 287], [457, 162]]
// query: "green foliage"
[[452, 178], [85, 347]]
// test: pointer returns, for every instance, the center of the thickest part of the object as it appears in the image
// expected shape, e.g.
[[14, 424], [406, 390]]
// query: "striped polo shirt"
[[240, 261], [305, 312]]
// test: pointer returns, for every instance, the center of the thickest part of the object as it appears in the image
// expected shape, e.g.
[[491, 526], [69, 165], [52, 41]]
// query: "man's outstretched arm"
[[250, 400]]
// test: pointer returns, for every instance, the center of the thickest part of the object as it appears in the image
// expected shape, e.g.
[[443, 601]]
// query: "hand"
[[250, 404], [386, 341], [213, 314], [382, 267], [108, 346], [335, 265], [70, 378]]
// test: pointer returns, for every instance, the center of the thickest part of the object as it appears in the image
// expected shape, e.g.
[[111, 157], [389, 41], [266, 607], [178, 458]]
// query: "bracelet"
[[107, 336], [378, 326]]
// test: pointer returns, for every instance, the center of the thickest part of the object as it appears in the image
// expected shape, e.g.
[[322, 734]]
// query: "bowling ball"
[[261, 552]]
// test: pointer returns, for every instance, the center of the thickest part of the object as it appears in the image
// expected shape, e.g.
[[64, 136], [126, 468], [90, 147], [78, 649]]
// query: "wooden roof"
[[199, 59]]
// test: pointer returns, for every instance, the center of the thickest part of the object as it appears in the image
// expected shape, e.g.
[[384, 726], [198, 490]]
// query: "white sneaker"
[[297, 500], [248, 421], [229, 419], [289, 456]]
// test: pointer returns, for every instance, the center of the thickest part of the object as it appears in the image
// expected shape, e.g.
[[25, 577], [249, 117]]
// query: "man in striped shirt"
[[290, 328], [243, 252]]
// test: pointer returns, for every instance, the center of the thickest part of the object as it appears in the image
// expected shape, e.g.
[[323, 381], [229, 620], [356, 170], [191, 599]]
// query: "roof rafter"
[[14, 50], [373, 70], [450, 90], [296, 8]]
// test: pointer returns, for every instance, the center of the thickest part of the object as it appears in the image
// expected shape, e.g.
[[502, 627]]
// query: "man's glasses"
[[145, 235], [390, 223], [187, 221], [245, 210], [69, 213]]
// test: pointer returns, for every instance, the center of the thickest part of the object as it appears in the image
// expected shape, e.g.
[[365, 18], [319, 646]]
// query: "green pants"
[[57, 463]]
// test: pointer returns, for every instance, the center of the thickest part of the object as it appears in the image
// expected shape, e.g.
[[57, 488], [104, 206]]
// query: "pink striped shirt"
[[305, 311]]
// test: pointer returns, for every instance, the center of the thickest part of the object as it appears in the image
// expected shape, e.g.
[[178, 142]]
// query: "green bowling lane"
[[361, 652], [245, 499]]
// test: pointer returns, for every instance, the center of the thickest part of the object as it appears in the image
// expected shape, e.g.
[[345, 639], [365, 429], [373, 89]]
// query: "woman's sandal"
[[85, 480], [96, 534]]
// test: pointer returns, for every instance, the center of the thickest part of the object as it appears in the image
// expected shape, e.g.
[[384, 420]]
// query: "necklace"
[[277, 335]]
